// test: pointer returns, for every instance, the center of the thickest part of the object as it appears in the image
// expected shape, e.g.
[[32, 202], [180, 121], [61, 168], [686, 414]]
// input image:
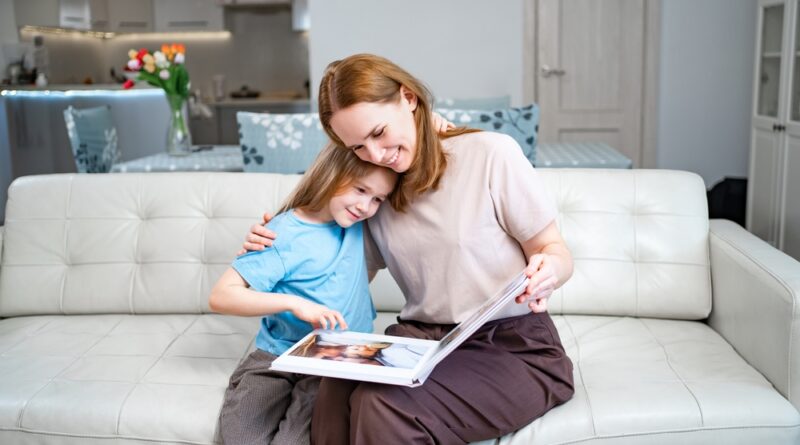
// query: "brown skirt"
[[506, 375]]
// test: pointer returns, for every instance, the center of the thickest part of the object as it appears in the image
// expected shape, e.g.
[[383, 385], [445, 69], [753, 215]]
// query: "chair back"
[[93, 138]]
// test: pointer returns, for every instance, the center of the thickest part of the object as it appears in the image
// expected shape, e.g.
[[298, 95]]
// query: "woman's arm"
[[549, 267], [231, 295]]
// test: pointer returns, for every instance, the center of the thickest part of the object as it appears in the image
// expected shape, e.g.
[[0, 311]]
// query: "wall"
[[8, 34], [706, 86], [459, 48]]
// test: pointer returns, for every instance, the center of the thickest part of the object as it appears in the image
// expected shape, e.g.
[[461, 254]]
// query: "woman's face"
[[381, 133]]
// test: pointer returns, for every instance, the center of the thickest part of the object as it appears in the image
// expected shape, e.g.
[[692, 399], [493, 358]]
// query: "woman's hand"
[[440, 124], [543, 282], [258, 237], [317, 314]]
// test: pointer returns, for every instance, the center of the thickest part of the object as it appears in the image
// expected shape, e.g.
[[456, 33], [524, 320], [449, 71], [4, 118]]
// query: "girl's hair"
[[370, 78], [332, 171]]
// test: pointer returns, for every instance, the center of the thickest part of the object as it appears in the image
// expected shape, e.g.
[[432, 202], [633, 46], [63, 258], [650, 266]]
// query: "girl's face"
[[362, 198], [384, 134]]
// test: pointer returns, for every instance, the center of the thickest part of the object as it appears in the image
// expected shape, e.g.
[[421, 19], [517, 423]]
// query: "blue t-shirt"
[[323, 263]]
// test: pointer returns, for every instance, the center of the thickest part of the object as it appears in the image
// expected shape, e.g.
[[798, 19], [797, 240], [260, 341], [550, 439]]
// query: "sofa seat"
[[139, 378], [127, 377], [645, 380]]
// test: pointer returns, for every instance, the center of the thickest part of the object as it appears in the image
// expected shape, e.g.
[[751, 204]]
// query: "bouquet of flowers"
[[165, 69]]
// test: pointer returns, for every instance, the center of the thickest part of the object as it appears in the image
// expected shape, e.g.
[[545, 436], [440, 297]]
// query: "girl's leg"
[[255, 401], [295, 427], [506, 375]]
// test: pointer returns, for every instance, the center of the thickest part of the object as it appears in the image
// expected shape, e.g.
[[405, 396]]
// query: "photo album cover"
[[385, 358]]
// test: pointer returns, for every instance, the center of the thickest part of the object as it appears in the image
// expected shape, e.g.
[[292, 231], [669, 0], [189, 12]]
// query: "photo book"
[[384, 358]]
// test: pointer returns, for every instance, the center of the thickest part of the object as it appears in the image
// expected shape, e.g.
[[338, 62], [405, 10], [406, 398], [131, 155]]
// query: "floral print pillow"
[[522, 124], [279, 143]]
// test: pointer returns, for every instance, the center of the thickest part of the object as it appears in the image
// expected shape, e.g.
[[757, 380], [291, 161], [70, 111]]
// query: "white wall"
[[8, 34], [459, 48], [706, 83]]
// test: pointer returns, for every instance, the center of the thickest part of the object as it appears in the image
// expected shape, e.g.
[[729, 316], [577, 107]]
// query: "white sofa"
[[682, 330]]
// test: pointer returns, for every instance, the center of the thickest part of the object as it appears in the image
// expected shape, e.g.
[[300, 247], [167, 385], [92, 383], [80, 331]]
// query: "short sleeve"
[[521, 201], [371, 253], [262, 270]]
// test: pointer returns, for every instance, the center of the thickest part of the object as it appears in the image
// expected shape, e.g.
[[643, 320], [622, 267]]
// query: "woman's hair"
[[369, 78], [332, 170]]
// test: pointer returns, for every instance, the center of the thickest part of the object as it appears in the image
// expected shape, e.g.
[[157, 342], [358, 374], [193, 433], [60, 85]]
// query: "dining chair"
[[93, 137]]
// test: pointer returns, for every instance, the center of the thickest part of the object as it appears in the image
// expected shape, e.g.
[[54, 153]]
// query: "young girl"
[[315, 275]]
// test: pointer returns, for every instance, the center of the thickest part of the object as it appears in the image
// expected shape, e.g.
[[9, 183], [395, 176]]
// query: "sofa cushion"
[[659, 381], [639, 240], [162, 378], [145, 377]]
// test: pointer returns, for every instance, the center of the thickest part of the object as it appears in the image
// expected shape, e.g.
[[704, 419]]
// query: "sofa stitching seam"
[[580, 373], [680, 377]]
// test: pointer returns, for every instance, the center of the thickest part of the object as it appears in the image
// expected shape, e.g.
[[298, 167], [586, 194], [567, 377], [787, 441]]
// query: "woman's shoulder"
[[488, 142]]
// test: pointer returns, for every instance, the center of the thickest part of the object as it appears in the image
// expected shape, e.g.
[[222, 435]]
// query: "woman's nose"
[[375, 152]]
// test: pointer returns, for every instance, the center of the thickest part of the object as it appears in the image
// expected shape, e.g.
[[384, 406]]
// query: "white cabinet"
[[187, 15], [39, 13], [130, 16], [773, 195], [84, 14]]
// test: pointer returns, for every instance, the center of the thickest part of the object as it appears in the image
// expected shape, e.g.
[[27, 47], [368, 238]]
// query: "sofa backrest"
[[156, 243]]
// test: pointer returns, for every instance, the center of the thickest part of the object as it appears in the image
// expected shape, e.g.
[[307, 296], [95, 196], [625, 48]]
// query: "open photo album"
[[384, 358]]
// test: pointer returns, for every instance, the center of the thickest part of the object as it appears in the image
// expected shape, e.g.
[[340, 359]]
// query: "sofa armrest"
[[755, 289]]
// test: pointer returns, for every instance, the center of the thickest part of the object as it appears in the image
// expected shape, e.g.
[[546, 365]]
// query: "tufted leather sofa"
[[682, 330]]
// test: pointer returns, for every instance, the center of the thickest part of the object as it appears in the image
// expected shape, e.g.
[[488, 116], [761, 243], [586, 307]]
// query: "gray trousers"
[[263, 406]]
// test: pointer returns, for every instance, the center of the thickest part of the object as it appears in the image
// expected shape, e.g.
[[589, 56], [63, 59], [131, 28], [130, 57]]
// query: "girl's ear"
[[408, 97]]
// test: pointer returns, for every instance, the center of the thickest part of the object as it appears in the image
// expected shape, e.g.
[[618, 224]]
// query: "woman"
[[468, 212]]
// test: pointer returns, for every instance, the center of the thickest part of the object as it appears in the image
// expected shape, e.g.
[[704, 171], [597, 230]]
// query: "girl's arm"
[[549, 267], [231, 295]]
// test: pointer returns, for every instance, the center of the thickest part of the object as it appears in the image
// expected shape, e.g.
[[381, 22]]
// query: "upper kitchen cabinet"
[[84, 14], [130, 16], [38, 13], [187, 15]]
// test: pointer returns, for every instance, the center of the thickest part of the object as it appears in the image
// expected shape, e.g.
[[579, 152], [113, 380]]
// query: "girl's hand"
[[258, 237], [440, 124], [318, 315], [542, 284]]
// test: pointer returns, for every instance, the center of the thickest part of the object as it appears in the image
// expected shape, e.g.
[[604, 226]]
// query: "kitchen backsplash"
[[261, 51]]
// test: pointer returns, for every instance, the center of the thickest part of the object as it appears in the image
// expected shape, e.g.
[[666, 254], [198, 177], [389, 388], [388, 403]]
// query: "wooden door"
[[590, 72]]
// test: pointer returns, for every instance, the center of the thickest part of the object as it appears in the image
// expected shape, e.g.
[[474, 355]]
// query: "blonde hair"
[[332, 171], [371, 78]]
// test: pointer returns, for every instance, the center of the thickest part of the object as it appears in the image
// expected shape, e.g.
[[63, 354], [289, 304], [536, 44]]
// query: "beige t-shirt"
[[455, 247]]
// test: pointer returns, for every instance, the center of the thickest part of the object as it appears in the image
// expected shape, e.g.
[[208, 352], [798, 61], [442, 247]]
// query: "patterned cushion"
[[93, 138], [522, 124], [279, 143]]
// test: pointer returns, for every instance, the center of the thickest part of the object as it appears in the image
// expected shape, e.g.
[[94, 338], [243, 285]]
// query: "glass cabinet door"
[[769, 71]]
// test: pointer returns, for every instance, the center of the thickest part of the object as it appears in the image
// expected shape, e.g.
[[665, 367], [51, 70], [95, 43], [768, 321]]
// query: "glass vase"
[[178, 140]]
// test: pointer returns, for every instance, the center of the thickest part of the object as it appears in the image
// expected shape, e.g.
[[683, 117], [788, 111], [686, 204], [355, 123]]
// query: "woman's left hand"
[[543, 281], [440, 124]]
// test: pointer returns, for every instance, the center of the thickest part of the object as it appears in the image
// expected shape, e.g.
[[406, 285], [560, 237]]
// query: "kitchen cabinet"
[[38, 13], [187, 15], [84, 14], [128, 16], [773, 200]]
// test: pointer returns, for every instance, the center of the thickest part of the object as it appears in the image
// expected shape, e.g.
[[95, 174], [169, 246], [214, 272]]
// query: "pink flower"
[[128, 84], [179, 58], [164, 74], [134, 64]]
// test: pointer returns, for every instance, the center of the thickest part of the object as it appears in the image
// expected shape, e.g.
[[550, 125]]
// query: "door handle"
[[547, 71]]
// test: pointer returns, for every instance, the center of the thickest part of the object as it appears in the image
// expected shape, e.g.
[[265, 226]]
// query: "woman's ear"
[[408, 97]]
